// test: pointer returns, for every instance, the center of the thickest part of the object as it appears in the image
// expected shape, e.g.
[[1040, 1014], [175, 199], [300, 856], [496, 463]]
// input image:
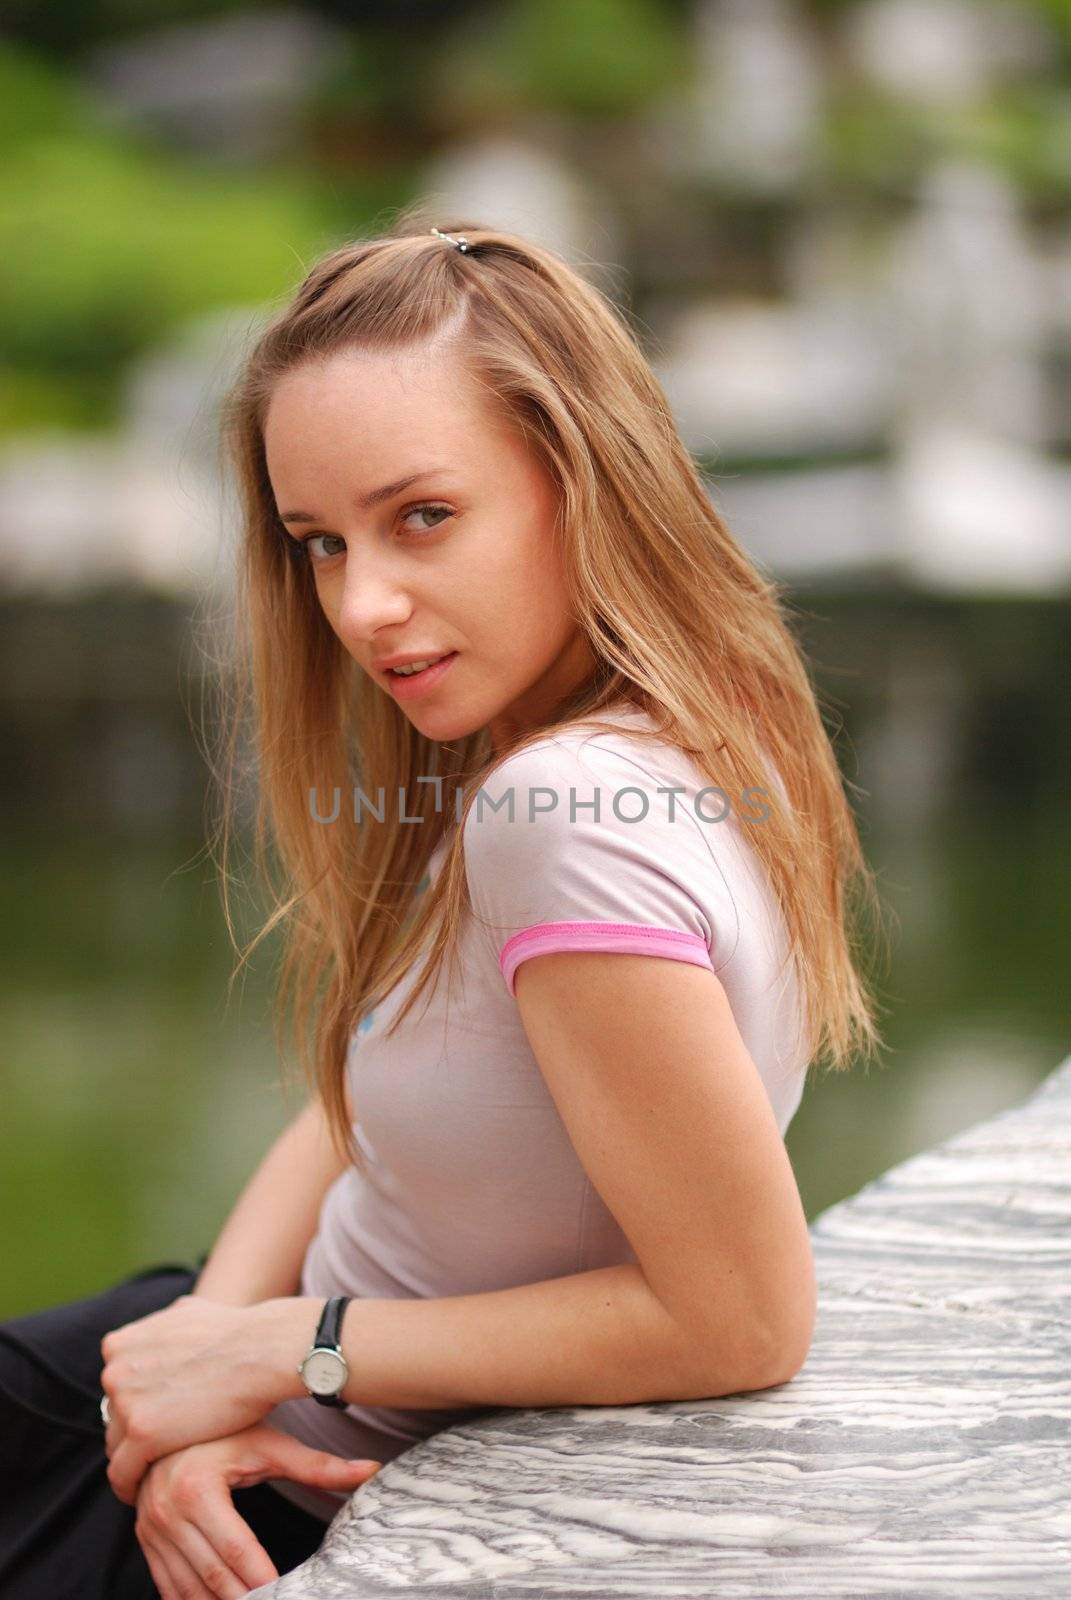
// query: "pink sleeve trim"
[[626, 938]]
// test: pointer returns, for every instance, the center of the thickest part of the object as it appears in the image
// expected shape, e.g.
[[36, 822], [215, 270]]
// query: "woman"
[[502, 650]]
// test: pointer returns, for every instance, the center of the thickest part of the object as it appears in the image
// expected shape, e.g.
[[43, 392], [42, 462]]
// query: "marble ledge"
[[924, 1450]]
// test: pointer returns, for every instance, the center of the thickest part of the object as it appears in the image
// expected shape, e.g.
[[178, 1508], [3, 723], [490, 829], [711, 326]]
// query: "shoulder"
[[589, 815], [574, 831], [548, 793], [593, 749], [517, 813]]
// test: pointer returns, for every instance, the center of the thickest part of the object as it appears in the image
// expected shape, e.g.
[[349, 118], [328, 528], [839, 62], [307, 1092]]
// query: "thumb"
[[292, 1459]]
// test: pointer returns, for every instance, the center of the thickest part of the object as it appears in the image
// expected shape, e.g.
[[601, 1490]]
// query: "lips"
[[431, 661], [407, 685], [408, 659]]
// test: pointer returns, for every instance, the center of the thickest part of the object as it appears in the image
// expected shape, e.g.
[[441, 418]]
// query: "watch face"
[[324, 1372]]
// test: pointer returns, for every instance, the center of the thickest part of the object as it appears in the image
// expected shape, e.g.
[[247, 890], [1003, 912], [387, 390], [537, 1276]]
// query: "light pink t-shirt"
[[473, 1183]]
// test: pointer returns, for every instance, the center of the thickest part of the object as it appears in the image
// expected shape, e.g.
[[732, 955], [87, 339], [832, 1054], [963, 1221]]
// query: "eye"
[[419, 510], [308, 543], [317, 557]]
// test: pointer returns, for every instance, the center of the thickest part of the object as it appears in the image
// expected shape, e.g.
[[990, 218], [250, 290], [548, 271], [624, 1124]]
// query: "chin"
[[445, 724]]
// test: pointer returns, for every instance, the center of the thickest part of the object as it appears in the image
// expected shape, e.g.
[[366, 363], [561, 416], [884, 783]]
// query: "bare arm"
[[260, 1250], [261, 1247], [668, 1114]]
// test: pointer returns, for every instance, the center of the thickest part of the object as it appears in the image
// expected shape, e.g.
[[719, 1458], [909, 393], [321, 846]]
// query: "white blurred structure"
[[528, 188], [918, 343], [747, 377], [978, 514], [80, 513], [945, 52], [229, 86], [965, 298], [752, 120], [979, 506], [813, 524], [151, 507]]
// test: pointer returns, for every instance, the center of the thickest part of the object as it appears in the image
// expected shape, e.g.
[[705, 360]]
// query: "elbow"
[[764, 1359], [788, 1338], [786, 1360], [762, 1342], [773, 1360], [779, 1340]]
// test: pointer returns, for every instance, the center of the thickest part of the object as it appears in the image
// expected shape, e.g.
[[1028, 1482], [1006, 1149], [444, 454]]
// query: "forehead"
[[390, 402]]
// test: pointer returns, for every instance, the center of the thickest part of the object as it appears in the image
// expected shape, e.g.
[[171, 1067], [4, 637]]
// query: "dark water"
[[137, 1100]]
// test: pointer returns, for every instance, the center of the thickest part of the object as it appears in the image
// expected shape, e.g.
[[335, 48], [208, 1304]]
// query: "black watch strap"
[[329, 1337], [329, 1331]]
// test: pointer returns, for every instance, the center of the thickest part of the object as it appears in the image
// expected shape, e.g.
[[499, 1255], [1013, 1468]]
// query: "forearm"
[[592, 1338], [261, 1247]]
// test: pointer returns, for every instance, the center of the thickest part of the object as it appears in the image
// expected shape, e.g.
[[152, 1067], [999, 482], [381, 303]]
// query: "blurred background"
[[844, 233]]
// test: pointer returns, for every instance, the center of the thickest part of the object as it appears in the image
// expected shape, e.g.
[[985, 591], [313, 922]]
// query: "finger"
[[160, 1575], [114, 1434], [223, 1549], [126, 1468], [187, 1584], [211, 1557], [288, 1457], [172, 1573]]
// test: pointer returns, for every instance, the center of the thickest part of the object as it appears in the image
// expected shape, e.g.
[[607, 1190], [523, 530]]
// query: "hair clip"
[[461, 242]]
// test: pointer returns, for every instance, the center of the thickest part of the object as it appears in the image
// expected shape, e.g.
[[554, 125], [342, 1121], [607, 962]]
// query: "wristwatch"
[[324, 1368]]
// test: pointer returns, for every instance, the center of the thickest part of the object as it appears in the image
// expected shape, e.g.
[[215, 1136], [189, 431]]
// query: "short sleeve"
[[573, 847]]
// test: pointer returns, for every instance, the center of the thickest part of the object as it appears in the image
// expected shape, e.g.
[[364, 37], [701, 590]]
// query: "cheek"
[[526, 574], [510, 595], [538, 628], [328, 597]]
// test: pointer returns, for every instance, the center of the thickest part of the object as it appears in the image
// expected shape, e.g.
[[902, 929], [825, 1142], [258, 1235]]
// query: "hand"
[[196, 1544], [186, 1374]]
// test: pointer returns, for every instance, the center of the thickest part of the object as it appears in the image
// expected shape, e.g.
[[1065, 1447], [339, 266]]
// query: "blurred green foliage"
[[586, 57], [107, 243], [879, 143], [109, 239]]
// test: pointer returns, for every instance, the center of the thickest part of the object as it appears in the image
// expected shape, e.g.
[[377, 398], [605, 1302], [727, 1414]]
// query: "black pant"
[[64, 1535]]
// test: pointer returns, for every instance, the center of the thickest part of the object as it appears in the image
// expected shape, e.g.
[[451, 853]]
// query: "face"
[[428, 525]]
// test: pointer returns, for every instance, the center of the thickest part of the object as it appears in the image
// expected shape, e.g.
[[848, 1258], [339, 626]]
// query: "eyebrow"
[[376, 496]]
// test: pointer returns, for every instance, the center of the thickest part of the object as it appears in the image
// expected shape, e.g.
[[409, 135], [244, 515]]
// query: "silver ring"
[[105, 1411]]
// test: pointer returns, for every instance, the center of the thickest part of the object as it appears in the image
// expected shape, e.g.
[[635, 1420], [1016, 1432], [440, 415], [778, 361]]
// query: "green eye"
[[440, 512], [414, 510], [311, 540]]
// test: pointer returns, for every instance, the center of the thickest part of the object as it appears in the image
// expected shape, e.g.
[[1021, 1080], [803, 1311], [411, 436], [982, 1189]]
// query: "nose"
[[372, 598]]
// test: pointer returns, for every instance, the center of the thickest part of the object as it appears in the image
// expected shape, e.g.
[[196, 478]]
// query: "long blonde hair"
[[680, 622]]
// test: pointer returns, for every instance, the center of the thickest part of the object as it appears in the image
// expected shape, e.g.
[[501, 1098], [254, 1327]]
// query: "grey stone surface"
[[924, 1450]]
